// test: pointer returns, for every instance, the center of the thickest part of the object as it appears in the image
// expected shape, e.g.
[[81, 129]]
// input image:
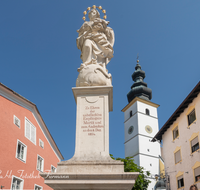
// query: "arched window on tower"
[[131, 113], [147, 112]]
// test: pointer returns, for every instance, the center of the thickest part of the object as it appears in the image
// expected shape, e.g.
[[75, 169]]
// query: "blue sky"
[[39, 57]]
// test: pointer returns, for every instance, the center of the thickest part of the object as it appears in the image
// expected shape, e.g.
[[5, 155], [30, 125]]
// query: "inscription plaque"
[[92, 124]]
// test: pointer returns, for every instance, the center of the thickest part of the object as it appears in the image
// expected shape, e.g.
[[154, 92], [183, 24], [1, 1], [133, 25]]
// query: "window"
[[197, 174], [30, 131], [175, 133], [21, 151], [191, 117], [194, 144], [177, 156], [180, 181], [37, 187], [53, 169], [147, 112], [131, 113], [40, 163], [17, 183], [41, 143], [16, 121]]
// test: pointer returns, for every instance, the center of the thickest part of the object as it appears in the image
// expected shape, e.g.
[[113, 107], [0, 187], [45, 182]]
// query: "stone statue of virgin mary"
[[96, 42]]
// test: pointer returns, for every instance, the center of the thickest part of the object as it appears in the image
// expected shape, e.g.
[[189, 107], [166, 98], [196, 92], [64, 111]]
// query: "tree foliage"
[[142, 181]]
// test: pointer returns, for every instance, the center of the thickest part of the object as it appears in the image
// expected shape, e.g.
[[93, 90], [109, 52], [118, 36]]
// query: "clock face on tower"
[[148, 129], [130, 130]]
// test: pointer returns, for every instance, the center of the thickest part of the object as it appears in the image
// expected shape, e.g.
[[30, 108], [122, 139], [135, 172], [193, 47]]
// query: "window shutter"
[[38, 163], [28, 130], [33, 131], [180, 177], [194, 141], [177, 156], [197, 171]]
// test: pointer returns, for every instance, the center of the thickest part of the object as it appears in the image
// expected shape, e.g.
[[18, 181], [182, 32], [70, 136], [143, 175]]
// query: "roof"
[[11, 92], [193, 94]]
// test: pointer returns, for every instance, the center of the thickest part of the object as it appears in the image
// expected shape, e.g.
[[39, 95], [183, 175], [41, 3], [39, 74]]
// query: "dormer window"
[[147, 112]]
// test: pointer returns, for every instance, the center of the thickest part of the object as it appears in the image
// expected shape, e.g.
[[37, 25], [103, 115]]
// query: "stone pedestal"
[[91, 166], [92, 122]]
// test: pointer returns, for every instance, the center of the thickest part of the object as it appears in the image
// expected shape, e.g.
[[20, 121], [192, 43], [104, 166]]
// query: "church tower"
[[141, 125]]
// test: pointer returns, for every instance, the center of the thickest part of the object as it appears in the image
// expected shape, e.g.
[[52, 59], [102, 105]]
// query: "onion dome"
[[139, 88]]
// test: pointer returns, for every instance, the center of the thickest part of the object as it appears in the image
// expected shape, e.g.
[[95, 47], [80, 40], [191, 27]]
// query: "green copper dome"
[[139, 88]]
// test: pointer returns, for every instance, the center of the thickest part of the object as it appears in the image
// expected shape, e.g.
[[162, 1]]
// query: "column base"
[[121, 181]]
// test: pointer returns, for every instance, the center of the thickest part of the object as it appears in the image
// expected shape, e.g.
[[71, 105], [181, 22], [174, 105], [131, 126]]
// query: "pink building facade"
[[27, 147]]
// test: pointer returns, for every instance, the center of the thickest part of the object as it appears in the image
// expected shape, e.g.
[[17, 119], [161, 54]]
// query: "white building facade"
[[180, 136]]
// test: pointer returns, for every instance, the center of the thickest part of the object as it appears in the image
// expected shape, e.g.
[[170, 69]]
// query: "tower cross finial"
[[137, 58]]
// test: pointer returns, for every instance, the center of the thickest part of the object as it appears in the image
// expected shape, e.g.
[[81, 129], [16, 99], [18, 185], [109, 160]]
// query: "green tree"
[[142, 181]]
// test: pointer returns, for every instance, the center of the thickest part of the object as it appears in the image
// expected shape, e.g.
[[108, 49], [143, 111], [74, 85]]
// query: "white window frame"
[[42, 169], [27, 120], [25, 151], [42, 143], [15, 117], [21, 184], [38, 186], [53, 167]]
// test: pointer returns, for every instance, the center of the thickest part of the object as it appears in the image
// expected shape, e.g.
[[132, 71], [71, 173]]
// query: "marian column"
[[91, 167]]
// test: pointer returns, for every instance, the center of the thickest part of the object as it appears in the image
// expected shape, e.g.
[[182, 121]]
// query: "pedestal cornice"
[[94, 90]]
